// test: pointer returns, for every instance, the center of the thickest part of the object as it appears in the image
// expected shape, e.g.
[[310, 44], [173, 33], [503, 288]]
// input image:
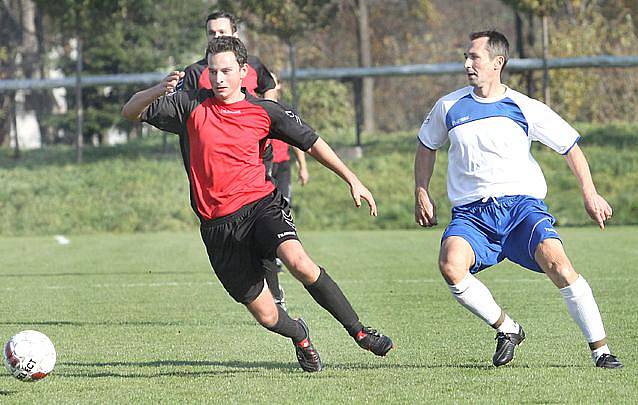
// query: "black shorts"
[[238, 243], [281, 178]]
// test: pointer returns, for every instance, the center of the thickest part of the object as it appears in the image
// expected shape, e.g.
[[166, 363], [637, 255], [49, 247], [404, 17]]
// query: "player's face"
[[225, 76], [220, 27], [479, 67]]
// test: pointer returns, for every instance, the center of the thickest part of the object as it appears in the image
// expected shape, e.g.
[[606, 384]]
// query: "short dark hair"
[[228, 44], [223, 14], [497, 44]]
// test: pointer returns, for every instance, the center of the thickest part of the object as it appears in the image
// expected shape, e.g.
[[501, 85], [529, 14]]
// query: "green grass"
[[141, 319]]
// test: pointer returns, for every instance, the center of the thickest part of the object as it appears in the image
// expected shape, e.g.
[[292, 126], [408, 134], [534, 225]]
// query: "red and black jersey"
[[221, 145], [257, 81]]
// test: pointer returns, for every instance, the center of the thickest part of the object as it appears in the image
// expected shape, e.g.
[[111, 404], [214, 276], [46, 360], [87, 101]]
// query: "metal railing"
[[514, 65]]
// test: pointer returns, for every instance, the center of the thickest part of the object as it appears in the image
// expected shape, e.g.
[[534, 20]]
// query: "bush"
[[139, 187]]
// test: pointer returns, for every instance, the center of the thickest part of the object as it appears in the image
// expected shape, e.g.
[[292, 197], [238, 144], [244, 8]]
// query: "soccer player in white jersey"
[[497, 190]]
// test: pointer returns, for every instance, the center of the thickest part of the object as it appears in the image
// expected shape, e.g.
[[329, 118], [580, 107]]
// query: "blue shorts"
[[509, 227]]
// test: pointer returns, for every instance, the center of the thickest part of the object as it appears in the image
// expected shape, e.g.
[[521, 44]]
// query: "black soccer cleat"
[[307, 356], [374, 341], [505, 345], [608, 361]]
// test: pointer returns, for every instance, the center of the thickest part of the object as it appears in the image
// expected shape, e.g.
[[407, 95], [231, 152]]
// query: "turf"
[[141, 319]]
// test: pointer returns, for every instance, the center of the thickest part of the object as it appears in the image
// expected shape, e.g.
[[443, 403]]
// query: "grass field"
[[141, 319]]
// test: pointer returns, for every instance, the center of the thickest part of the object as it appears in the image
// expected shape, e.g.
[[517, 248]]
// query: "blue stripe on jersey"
[[467, 110]]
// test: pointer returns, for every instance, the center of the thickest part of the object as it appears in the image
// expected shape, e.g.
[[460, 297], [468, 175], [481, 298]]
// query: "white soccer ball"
[[29, 355]]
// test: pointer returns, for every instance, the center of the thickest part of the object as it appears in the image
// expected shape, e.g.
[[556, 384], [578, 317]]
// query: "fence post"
[[357, 83], [79, 107]]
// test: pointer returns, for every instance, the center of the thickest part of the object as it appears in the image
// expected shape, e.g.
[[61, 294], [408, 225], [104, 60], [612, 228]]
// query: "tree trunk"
[[28, 132], [79, 108], [42, 100], [293, 75], [546, 90], [365, 60], [531, 41]]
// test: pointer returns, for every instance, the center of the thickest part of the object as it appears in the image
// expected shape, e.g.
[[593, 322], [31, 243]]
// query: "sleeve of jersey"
[[433, 133], [286, 126], [189, 81], [549, 128], [265, 80], [169, 113]]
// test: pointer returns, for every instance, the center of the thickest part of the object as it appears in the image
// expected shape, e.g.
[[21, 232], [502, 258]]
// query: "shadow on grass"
[[113, 273], [96, 370], [4, 393], [231, 367], [100, 323]]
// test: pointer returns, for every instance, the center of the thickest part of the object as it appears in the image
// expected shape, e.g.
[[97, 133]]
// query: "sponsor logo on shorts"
[[287, 233]]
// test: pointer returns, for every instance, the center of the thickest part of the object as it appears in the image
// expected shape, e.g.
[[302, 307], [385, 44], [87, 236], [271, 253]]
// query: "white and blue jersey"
[[490, 140]]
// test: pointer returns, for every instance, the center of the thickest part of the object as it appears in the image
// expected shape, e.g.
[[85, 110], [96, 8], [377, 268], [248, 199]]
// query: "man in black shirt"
[[244, 220], [258, 82]]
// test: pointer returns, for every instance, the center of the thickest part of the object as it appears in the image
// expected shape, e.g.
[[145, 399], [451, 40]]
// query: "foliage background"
[[142, 187], [126, 36]]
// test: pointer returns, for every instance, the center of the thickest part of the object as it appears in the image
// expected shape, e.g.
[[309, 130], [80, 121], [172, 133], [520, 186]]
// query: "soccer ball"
[[29, 355]]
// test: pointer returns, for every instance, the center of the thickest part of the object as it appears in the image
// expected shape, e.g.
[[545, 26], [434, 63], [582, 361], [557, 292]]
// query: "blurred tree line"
[[42, 38]]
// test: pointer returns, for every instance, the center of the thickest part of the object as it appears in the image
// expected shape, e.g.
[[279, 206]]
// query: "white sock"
[[583, 308], [508, 325], [473, 295], [596, 353]]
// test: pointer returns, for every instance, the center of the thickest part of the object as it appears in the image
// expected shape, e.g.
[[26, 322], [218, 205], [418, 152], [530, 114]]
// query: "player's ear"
[[499, 61], [243, 70]]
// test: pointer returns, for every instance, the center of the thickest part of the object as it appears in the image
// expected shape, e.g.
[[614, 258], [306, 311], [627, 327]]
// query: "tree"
[[543, 9], [123, 36], [19, 58], [289, 20]]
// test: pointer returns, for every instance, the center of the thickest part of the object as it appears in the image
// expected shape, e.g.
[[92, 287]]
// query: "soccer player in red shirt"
[[259, 81], [244, 219]]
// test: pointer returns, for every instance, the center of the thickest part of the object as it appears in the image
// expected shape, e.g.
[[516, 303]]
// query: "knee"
[[301, 266], [267, 319], [452, 271], [561, 273], [300, 262], [552, 259], [455, 259]]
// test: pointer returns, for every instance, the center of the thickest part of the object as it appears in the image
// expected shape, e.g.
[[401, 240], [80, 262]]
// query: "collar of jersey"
[[489, 100], [231, 106]]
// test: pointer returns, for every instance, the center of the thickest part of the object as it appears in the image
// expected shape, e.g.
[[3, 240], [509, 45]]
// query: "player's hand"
[[169, 83], [303, 176], [424, 208], [598, 208], [358, 192]]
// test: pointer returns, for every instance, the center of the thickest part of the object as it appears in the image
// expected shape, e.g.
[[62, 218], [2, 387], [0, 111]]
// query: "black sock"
[[288, 327], [328, 294], [272, 279]]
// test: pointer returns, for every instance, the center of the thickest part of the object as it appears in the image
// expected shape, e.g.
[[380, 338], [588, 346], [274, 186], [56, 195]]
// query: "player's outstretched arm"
[[136, 105], [327, 157], [303, 174], [596, 206], [424, 206]]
